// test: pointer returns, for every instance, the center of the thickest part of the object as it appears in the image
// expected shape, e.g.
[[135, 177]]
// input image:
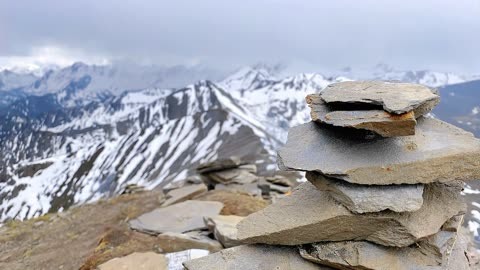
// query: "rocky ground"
[[87, 236]]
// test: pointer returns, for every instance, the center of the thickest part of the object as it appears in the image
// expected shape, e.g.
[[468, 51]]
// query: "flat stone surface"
[[253, 257], [181, 217], [191, 240], [224, 229], [365, 255], [136, 261], [368, 198], [378, 121], [437, 152], [220, 164], [395, 97], [310, 215], [184, 193], [237, 176]]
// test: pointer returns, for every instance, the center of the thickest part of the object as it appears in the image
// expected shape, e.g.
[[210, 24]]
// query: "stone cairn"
[[383, 190]]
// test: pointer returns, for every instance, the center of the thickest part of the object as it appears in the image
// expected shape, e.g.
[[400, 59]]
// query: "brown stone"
[[238, 204], [310, 215], [135, 261], [381, 122], [254, 257], [397, 98]]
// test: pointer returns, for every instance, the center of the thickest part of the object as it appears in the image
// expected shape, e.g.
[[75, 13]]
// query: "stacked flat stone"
[[384, 183]]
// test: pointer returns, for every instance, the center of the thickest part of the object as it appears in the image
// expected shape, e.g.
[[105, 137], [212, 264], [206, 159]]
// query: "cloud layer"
[[441, 35]]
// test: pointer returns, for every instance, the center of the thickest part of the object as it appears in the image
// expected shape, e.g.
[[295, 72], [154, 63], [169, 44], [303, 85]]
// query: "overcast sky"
[[430, 34]]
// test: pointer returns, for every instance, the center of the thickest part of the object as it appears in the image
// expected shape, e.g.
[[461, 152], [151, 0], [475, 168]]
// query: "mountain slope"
[[128, 140], [277, 104], [460, 105]]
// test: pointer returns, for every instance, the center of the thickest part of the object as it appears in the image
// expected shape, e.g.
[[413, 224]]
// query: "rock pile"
[[383, 188]]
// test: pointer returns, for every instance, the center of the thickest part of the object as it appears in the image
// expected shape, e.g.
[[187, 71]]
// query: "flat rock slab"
[[237, 175], [366, 199], [178, 218], [397, 98], [224, 229], [191, 240], [310, 215], [135, 261], [437, 152], [219, 164], [253, 257], [378, 121], [365, 255], [184, 193]]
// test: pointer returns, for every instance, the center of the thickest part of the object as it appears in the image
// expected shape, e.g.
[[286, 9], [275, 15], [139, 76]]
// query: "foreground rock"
[[219, 164], [191, 240], [224, 229], [135, 261], [365, 255], [184, 193], [310, 215], [366, 199], [182, 217], [397, 98], [437, 152], [238, 204], [381, 122], [253, 257]]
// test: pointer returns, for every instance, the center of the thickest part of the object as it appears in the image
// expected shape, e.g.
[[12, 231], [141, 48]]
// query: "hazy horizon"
[[307, 35]]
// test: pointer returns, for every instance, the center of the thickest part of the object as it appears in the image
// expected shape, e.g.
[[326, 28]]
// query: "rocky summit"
[[371, 202]]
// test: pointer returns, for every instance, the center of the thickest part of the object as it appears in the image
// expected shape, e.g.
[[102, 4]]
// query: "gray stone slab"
[[378, 121], [394, 97], [365, 255], [224, 229], [184, 193], [254, 257], [437, 152], [310, 215], [368, 198], [178, 218]]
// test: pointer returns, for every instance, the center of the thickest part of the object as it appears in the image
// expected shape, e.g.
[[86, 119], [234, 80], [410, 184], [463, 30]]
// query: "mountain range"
[[84, 132]]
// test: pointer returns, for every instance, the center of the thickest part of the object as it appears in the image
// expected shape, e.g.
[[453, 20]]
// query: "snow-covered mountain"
[[83, 132], [277, 103], [80, 84], [147, 137], [387, 73]]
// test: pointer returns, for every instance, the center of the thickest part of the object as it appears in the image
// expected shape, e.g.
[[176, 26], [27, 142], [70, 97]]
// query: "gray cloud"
[[441, 35]]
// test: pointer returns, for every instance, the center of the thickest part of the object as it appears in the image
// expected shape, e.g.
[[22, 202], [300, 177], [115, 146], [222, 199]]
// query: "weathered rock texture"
[[254, 257], [178, 218], [395, 98], [365, 255], [381, 122], [366, 199], [184, 241], [224, 229], [310, 215], [134, 261], [437, 152], [184, 193]]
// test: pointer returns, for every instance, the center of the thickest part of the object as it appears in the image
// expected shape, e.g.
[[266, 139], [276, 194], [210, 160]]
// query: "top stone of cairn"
[[395, 98]]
